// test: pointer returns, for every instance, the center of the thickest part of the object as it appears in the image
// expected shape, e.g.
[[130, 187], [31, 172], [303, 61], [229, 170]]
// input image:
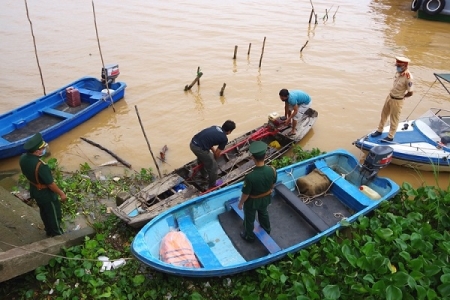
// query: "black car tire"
[[433, 7], [416, 4]]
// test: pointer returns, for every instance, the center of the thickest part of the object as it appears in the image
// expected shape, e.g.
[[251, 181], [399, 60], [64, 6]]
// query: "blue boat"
[[58, 112], [211, 223], [423, 143]]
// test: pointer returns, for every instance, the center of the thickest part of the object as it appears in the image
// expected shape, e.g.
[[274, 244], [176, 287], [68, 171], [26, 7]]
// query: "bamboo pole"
[[235, 51], [249, 46], [35, 49], [148, 143], [101, 56], [109, 151], [262, 52]]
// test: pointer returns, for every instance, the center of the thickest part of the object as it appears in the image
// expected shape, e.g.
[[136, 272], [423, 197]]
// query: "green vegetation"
[[84, 189], [401, 251]]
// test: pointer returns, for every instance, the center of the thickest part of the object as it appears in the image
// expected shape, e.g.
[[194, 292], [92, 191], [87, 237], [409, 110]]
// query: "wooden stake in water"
[[35, 49], [198, 71], [222, 89], [262, 52], [148, 143], [199, 74], [249, 46], [235, 51], [304, 46], [310, 16], [335, 12], [325, 18]]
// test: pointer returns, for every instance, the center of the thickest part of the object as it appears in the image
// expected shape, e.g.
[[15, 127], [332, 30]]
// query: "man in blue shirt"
[[296, 102], [204, 141]]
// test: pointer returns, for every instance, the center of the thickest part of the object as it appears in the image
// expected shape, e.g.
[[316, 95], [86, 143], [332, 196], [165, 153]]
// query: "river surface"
[[347, 67]]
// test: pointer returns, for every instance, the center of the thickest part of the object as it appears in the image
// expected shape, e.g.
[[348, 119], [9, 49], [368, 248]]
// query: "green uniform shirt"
[[259, 181], [28, 164]]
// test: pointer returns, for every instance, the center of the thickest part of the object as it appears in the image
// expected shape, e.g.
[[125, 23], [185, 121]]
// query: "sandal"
[[291, 133]]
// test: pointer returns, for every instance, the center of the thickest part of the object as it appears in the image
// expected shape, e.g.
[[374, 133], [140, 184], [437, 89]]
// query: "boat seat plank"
[[94, 95], [344, 188], [322, 166], [19, 123], [202, 250], [57, 113], [260, 233], [297, 204]]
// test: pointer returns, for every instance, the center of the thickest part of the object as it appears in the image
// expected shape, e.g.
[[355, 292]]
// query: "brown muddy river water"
[[347, 67]]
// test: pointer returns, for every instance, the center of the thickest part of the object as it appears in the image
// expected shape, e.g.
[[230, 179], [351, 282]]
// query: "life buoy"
[[433, 7], [416, 4]]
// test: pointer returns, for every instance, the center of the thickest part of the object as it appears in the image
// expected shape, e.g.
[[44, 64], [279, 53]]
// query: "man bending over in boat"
[[204, 141], [295, 105], [257, 192]]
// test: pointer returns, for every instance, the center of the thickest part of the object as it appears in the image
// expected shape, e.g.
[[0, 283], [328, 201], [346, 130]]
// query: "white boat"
[[423, 144]]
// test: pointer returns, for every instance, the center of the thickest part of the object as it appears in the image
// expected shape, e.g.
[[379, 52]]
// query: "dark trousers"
[[251, 206], [209, 163], [50, 211]]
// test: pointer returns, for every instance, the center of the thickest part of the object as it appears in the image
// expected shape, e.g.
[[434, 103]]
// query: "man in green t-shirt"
[[42, 187], [257, 192]]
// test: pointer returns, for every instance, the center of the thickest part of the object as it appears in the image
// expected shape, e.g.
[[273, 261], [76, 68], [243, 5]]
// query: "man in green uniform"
[[257, 192], [42, 187]]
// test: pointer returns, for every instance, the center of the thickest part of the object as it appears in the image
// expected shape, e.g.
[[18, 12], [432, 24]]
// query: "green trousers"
[[50, 211], [251, 206]]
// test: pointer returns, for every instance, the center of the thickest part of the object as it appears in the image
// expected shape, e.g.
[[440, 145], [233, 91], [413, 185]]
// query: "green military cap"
[[34, 143], [258, 148]]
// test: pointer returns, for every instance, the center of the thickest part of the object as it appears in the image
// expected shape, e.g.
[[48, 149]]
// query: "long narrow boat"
[[185, 182], [58, 112], [201, 237], [423, 143]]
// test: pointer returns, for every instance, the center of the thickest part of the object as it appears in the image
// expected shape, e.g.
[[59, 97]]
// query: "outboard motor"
[[377, 158], [275, 120], [109, 74]]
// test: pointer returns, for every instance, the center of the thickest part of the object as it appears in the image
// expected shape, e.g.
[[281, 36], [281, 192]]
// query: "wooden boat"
[[58, 112], [212, 222], [423, 143], [185, 182]]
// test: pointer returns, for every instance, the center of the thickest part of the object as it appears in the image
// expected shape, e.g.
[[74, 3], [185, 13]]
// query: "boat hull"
[[428, 12], [212, 222], [416, 143], [52, 116], [185, 182]]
